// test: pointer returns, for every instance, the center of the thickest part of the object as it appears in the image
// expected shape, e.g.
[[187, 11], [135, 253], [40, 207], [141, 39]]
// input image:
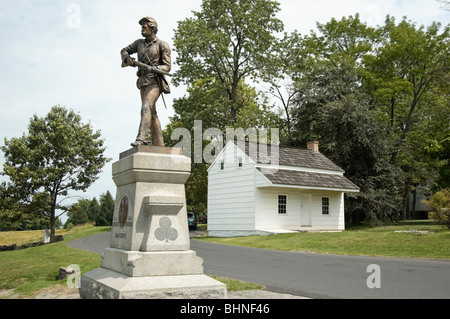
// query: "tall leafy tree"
[[439, 150], [207, 102], [106, 212], [93, 210], [340, 44], [227, 41], [398, 75], [79, 212], [407, 77], [334, 110], [59, 154], [409, 63], [330, 105], [286, 66], [16, 216]]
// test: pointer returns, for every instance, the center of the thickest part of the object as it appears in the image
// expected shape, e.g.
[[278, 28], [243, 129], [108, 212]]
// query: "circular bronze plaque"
[[123, 211]]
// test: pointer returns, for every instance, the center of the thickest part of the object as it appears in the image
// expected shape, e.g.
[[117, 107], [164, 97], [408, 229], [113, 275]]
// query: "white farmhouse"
[[258, 189]]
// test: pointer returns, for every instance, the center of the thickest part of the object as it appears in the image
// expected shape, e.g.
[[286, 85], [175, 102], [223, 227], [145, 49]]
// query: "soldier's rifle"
[[151, 69]]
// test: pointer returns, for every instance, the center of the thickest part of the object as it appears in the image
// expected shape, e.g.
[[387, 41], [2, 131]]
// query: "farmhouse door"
[[306, 209]]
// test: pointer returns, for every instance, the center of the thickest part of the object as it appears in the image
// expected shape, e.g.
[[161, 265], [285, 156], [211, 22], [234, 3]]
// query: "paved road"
[[315, 275]]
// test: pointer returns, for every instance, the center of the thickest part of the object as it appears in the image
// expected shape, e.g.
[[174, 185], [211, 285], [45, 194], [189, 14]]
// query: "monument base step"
[[147, 264], [102, 283]]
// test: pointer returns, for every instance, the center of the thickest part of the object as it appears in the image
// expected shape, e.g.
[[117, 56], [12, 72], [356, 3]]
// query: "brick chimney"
[[313, 146]]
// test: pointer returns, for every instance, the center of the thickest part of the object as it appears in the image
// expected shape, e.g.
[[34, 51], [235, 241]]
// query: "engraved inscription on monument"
[[123, 211], [165, 232]]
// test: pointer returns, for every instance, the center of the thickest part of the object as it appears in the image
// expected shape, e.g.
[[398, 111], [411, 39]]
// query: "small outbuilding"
[[255, 188]]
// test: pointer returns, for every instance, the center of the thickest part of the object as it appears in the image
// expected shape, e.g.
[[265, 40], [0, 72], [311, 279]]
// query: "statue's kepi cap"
[[149, 20]]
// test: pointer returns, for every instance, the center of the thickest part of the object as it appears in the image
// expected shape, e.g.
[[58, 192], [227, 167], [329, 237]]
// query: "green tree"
[[207, 102], [409, 64], [279, 76], [408, 80], [16, 216], [58, 155], [331, 106], [79, 212], [93, 210], [106, 212], [439, 205], [439, 150], [227, 41], [398, 75], [334, 111], [338, 45]]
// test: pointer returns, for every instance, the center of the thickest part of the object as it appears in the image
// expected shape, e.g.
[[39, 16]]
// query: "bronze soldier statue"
[[154, 61]]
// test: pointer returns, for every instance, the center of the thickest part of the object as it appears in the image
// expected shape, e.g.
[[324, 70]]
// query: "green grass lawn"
[[24, 237], [237, 285], [376, 241], [30, 270]]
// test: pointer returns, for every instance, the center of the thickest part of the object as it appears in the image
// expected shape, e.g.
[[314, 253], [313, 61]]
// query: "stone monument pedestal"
[[149, 255]]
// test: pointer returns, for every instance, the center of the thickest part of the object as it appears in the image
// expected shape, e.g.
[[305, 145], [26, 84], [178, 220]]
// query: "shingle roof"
[[289, 156], [289, 177], [298, 158]]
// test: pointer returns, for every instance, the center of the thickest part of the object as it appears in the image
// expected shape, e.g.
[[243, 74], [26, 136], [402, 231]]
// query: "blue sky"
[[67, 52]]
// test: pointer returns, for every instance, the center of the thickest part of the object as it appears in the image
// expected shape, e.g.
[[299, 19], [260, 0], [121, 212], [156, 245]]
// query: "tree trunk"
[[356, 217], [52, 217], [412, 214], [406, 192], [392, 111]]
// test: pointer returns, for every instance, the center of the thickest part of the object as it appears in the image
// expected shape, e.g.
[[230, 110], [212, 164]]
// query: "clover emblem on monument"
[[165, 232]]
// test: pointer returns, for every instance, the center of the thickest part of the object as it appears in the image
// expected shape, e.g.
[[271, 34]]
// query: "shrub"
[[439, 205]]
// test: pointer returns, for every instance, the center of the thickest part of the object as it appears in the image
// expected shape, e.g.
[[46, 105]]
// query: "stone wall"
[[58, 238]]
